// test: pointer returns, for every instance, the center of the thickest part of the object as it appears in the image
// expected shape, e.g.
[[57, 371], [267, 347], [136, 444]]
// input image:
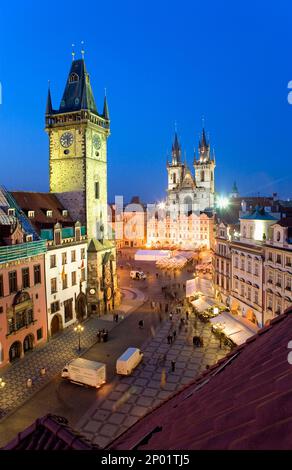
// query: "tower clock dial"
[[96, 141], [67, 139]]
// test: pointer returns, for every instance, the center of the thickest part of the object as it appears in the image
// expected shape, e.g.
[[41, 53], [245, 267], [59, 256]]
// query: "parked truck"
[[84, 372], [128, 361]]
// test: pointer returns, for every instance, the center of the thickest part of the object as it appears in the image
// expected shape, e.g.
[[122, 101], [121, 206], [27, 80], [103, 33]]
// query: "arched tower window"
[[73, 78], [211, 175], [202, 175], [174, 178], [188, 205]]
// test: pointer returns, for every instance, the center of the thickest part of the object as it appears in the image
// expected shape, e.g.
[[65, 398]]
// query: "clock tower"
[[78, 136], [78, 151]]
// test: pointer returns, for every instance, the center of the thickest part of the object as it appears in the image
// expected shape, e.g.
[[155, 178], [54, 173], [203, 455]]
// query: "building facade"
[[222, 263], [278, 269], [23, 316], [65, 259], [247, 255], [193, 231]]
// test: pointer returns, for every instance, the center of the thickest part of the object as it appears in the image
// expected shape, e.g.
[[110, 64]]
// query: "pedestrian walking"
[[170, 316], [141, 324], [174, 335], [172, 366], [168, 339]]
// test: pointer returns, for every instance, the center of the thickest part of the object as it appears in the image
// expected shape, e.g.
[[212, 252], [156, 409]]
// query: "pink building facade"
[[23, 317]]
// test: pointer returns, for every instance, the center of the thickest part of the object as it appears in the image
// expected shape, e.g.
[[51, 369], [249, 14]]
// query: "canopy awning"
[[232, 327], [202, 304]]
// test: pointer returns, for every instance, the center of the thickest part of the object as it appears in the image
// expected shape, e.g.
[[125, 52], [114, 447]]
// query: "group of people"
[[102, 335]]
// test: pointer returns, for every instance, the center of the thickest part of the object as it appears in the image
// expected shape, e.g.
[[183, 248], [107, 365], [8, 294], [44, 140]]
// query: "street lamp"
[[79, 328], [2, 383]]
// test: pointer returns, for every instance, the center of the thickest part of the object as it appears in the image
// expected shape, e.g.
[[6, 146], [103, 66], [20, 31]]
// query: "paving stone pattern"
[[54, 355], [127, 399]]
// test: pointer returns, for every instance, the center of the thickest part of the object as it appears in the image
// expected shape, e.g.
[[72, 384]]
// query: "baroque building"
[[23, 322], [65, 258], [78, 136]]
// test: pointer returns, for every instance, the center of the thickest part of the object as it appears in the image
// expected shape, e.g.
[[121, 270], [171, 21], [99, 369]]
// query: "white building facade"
[[65, 267]]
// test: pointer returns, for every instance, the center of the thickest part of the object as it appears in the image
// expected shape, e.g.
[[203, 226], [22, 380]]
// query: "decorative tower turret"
[[175, 167], [204, 171]]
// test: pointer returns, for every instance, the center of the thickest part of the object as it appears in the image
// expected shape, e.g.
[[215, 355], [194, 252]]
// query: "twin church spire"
[[204, 150]]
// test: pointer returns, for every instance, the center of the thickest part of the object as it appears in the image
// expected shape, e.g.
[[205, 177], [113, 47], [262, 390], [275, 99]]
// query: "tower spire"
[[105, 107], [49, 107], [176, 151], [73, 52]]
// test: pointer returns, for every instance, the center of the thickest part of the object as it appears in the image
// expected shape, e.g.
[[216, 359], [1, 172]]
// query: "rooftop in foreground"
[[242, 402]]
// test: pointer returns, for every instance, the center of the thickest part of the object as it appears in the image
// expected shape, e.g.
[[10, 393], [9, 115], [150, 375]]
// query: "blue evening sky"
[[161, 62]]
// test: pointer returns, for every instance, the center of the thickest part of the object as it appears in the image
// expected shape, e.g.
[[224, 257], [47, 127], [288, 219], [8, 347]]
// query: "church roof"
[[242, 402], [78, 92]]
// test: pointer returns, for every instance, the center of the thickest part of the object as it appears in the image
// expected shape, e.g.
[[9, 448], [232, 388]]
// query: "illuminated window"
[[73, 78]]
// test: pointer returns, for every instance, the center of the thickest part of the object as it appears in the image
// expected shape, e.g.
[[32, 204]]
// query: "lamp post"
[[2, 383], [79, 328]]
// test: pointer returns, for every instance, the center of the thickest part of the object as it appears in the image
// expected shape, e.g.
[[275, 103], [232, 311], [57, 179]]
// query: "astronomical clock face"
[[66, 139], [96, 142], [109, 293]]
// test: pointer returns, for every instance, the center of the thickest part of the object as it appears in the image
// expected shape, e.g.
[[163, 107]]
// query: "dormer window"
[[49, 213], [65, 213], [28, 238], [31, 214], [11, 212], [278, 235], [73, 78]]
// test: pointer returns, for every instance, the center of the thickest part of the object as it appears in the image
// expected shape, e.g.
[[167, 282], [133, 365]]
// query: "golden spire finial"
[[82, 49], [73, 52]]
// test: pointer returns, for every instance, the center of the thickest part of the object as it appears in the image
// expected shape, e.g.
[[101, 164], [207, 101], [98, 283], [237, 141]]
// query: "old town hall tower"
[[78, 176]]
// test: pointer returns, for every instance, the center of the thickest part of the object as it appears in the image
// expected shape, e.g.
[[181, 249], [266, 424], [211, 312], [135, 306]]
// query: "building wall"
[[247, 282], [278, 280], [186, 232], [222, 266], [57, 272], [37, 295]]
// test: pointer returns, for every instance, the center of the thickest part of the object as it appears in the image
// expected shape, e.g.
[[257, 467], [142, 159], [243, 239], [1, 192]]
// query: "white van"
[[84, 372], [137, 275], [128, 361]]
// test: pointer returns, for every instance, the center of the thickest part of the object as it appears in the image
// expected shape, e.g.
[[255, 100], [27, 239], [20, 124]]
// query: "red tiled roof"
[[285, 222], [242, 402], [49, 433], [40, 203]]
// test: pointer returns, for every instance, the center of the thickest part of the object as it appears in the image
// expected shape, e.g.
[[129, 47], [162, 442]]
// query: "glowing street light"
[[79, 328], [222, 202], [2, 383]]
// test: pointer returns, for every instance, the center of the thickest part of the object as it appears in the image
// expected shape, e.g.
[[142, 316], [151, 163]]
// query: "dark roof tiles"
[[49, 433], [242, 403]]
